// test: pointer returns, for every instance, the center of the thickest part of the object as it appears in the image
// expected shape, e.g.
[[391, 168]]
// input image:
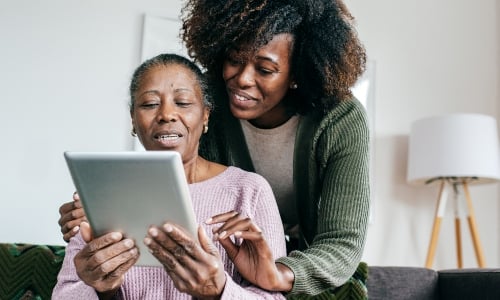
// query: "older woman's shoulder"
[[245, 182], [245, 177]]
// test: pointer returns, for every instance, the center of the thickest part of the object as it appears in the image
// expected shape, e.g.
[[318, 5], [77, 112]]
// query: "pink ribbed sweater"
[[234, 189]]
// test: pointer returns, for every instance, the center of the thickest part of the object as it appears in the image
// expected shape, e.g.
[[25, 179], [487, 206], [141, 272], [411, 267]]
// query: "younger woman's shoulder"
[[348, 109]]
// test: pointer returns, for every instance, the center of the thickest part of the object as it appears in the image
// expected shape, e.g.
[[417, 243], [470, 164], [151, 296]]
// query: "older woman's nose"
[[167, 113]]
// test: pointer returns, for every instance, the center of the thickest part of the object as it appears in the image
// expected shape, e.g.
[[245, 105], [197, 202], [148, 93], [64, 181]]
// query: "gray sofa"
[[413, 283], [29, 272]]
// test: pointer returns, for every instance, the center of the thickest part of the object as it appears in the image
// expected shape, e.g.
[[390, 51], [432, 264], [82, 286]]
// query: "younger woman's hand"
[[195, 268], [71, 215], [253, 258]]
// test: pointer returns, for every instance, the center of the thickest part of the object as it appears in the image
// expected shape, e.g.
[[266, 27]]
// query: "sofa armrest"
[[402, 283], [473, 283], [29, 271]]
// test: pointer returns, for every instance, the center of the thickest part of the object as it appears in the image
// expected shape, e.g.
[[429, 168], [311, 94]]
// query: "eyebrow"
[[149, 92], [177, 90], [268, 59], [183, 90]]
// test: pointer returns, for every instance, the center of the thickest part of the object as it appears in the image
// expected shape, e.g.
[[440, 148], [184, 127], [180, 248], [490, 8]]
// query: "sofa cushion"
[[402, 283], [473, 283], [29, 271]]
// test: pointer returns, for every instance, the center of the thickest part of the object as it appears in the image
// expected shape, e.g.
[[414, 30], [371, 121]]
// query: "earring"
[[294, 85], [205, 128], [133, 133]]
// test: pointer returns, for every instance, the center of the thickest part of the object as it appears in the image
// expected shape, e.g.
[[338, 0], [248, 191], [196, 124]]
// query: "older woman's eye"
[[149, 105], [183, 103]]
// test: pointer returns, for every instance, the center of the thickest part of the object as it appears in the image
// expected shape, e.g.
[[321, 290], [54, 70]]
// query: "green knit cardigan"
[[331, 179]]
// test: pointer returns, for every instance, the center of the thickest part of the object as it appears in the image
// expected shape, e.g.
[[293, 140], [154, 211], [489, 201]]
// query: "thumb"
[[230, 247], [205, 242], [86, 232]]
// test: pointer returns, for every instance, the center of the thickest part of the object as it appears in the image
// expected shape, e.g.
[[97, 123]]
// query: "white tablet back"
[[129, 191]]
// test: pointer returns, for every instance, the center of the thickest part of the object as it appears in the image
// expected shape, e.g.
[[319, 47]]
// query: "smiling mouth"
[[167, 137], [241, 98]]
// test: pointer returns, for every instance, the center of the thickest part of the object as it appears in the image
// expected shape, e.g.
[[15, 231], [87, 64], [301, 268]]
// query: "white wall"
[[64, 75], [433, 57]]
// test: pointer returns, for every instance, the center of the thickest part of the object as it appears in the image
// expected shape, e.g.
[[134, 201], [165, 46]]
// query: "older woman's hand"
[[72, 215], [103, 262], [195, 268], [253, 258]]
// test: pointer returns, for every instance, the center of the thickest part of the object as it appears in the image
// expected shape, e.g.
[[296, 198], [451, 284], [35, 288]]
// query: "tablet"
[[129, 191]]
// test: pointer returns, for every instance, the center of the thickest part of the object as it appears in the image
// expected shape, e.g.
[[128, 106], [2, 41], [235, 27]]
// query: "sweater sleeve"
[[264, 212], [69, 285], [342, 156]]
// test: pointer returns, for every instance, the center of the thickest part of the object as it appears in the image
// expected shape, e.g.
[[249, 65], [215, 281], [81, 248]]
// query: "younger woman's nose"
[[246, 76]]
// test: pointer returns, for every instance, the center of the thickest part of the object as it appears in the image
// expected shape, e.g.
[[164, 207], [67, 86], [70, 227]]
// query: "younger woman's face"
[[169, 112], [257, 85]]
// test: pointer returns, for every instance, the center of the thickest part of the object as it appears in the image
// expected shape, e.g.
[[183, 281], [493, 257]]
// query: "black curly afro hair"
[[327, 56]]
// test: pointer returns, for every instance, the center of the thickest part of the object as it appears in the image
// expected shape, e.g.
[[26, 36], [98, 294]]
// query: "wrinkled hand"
[[253, 258], [195, 268], [72, 215], [103, 262]]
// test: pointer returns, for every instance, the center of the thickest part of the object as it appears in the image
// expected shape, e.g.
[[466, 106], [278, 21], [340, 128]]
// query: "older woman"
[[170, 108]]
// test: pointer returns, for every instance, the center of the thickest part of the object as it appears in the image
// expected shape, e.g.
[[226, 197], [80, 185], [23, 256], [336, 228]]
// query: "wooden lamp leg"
[[473, 227], [458, 234], [441, 205]]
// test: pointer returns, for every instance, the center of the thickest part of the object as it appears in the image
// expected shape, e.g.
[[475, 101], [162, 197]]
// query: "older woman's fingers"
[[101, 243], [175, 240], [174, 262], [158, 244], [186, 242], [118, 263]]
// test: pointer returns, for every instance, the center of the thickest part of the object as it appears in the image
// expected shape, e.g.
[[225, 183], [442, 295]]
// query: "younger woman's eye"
[[266, 71]]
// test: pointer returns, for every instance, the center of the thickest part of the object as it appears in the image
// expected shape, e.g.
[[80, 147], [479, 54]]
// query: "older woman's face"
[[169, 112], [256, 85]]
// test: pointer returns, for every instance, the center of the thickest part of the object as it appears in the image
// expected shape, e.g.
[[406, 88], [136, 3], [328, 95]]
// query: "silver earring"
[[133, 133], [205, 128], [294, 86]]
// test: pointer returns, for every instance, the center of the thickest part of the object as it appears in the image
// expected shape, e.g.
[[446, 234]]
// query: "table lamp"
[[456, 150]]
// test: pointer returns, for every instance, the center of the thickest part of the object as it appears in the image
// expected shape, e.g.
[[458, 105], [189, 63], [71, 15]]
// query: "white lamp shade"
[[455, 145]]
